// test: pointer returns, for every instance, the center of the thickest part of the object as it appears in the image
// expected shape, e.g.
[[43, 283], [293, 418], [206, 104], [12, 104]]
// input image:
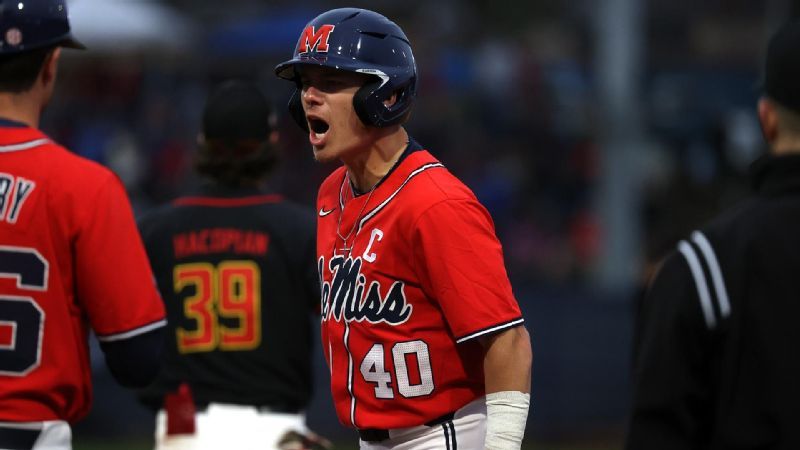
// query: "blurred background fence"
[[597, 133]]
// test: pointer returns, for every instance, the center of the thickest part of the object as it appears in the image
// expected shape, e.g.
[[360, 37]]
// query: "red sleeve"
[[461, 267], [114, 280]]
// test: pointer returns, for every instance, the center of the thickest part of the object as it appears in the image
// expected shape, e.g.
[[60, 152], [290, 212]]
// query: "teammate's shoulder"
[[739, 223], [297, 221], [67, 174], [155, 215], [293, 212], [70, 166]]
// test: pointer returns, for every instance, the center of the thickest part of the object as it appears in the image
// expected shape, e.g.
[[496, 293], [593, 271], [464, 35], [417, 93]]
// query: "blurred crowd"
[[510, 100], [507, 101]]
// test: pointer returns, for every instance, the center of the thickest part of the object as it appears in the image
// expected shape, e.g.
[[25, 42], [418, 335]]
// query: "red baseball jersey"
[[411, 274], [70, 258]]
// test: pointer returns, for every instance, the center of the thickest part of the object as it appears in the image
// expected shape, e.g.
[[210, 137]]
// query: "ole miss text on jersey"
[[411, 275]]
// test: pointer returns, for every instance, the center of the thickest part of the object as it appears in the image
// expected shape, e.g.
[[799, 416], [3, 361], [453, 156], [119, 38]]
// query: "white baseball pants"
[[226, 426]]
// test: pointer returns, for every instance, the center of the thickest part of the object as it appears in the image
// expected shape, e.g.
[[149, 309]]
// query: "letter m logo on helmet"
[[315, 41]]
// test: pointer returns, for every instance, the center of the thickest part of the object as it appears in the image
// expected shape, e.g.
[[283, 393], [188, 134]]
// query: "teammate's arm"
[[507, 371], [116, 288], [671, 388], [135, 362]]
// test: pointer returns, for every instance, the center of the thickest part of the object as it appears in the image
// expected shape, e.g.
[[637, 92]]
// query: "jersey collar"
[[8, 123], [16, 136], [210, 189], [215, 195], [775, 175], [411, 164], [411, 147]]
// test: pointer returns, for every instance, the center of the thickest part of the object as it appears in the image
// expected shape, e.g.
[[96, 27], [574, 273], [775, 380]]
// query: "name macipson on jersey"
[[344, 296]]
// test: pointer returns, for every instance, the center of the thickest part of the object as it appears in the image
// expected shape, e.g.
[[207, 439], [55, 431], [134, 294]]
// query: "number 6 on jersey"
[[21, 318]]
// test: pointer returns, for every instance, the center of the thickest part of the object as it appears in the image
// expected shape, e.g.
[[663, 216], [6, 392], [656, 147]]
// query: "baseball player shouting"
[[70, 255], [422, 334]]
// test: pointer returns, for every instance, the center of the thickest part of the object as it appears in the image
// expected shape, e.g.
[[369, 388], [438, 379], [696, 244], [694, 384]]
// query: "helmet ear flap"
[[296, 110], [369, 107], [363, 104]]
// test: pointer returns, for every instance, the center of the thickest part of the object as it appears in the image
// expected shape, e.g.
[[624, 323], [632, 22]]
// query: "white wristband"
[[506, 415]]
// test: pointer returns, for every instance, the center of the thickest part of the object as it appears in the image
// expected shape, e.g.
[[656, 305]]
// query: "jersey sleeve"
[[114, 280], [671, 387], [460, 264]]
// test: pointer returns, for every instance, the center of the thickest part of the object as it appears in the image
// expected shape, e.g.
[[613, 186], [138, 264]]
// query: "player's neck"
[[786, 145], [20, 108], [368, 168]]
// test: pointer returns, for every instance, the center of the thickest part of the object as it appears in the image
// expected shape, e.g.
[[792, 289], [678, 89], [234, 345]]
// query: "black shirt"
[[718, 347], [237, 273]]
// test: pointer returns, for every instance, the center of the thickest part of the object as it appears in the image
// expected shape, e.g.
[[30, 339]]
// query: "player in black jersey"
[[235, 266], [718, 351]]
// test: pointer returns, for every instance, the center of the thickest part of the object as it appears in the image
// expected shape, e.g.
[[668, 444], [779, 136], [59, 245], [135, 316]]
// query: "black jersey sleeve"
[[303, 237], [144, 223], [148, 230], [671, 390], [134, 362], [310, 273]]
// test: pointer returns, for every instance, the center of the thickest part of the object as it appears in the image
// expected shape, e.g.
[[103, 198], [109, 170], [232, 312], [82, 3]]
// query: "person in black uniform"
[[718, 359], [235, 266]]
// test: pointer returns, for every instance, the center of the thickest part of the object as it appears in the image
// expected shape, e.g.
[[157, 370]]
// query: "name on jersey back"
[[220, 240]]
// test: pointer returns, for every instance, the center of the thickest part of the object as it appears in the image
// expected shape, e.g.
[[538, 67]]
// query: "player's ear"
[[50, 67], [768, 116], [389, 102]]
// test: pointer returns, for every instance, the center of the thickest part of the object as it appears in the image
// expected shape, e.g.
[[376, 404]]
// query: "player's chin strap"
[[506, 415]]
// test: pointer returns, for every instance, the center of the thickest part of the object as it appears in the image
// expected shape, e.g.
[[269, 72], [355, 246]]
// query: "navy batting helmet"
[[30, 24], [362, 41]]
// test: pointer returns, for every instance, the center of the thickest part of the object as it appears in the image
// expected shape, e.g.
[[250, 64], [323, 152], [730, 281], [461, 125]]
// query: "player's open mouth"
[[318, 128]]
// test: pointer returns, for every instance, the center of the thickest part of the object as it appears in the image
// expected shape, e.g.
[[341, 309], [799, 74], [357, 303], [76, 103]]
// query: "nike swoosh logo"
[[323, 212]]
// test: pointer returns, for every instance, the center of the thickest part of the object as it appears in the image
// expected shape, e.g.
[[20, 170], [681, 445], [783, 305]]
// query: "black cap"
[[237, 110], [30, 24], [782, 67]]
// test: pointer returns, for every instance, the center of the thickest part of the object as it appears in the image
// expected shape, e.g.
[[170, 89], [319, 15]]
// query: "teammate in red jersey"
[[70, 254], [423, 337]]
